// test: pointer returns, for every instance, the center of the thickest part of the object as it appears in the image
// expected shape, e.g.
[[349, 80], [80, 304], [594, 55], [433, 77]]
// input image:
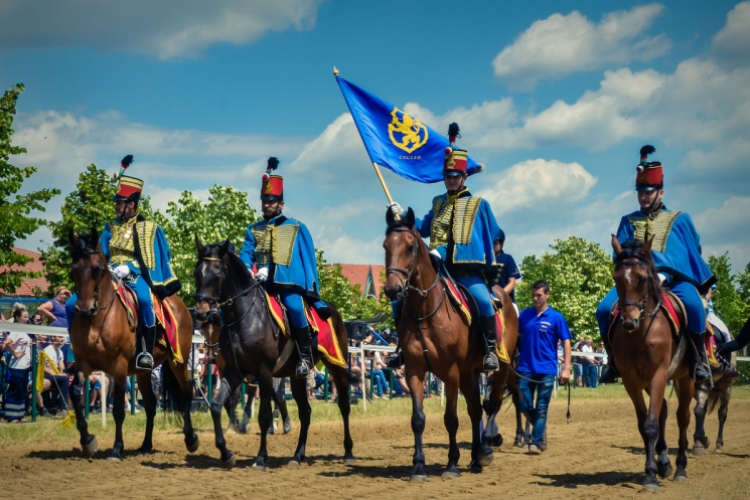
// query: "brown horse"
[[648, 354], [434, 336], [103, 339], [251, 344], [706, 400]]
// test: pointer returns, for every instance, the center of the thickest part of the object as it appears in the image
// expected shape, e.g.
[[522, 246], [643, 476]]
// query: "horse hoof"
[[518, 444], [664, 471], [486, 460], [681, 478], [287, 425], [698, 451], [350, 460], [652, 487], [497, 441], [259, 467], [114, 458], [718, 451], [450, 473], [475, 468], [230, 462], [418, 478], [144, 450], [242, 429], [192, 448], [293, 464], [90, 448]]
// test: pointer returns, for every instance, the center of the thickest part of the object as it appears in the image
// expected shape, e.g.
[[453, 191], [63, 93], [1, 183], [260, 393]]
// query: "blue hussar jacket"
[[462, 228], [285, 246], [676, 246], [142, 246]]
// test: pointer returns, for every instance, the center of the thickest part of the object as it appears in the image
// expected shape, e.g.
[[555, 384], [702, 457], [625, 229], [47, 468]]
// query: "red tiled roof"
[[357, 275], [27, 287]]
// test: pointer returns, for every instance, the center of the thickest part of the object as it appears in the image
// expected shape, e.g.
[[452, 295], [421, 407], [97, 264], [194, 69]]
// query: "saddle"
[[459, 295], [165, 318], [322, 330]]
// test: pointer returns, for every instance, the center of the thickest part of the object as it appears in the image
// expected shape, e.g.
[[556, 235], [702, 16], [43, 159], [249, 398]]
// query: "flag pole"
[[377, 169]]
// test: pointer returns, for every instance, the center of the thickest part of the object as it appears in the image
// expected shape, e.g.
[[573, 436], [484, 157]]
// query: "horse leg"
[[186, 397], [416, 388], [450, 418], [699, 437], [227, 386], [341, 381], [283, 410], [726, 395], [118, 412], [492, 403], [88, 441], [651, 427], [664, 467], [648, 428], [299, 391], [481, 452], [149, 406], [685, 389], [265, 417], [518, 442]]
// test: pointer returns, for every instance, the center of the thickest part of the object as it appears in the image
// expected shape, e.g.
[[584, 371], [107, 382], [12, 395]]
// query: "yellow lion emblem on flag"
[[405, 132]]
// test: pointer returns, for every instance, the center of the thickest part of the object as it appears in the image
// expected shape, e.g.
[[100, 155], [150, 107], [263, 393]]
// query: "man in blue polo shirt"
[[540, 328]]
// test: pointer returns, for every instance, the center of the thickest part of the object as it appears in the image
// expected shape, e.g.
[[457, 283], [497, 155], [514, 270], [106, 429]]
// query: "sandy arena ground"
[[598, 455]]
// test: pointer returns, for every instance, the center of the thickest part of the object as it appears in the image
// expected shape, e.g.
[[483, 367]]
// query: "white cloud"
[[733, 41], [539, 184], [726, 228], [162, 28], [564, 44]]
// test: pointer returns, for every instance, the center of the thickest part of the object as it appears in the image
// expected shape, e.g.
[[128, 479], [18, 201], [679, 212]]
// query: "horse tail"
[[713, 399], [173, 399]]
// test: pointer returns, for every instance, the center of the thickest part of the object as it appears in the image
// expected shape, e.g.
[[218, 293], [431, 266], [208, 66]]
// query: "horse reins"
[[98, 283], [643, 304]]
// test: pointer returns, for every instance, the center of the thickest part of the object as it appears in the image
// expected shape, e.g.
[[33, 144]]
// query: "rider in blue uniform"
[[461, 228], [138, 253], [676, 251], [508, 271], [283, 251]]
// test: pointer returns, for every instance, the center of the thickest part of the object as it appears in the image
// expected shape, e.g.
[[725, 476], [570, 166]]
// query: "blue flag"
[[395, 140]]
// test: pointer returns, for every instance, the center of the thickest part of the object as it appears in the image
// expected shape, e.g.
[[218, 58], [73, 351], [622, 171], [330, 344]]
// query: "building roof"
[[27, 287], [357, 275]]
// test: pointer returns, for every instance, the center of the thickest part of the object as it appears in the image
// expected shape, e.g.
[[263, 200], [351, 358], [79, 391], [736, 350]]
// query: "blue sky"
[[554, 98]]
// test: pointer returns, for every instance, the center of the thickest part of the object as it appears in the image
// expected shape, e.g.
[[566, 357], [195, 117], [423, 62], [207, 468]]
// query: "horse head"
[[402, 244], [89, 269], [209, 273], [635, 280]]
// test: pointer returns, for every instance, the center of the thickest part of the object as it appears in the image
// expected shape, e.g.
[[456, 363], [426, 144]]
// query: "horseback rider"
[[283, 251], [138, 254], [508, 271], [461, 228], [677, 256]]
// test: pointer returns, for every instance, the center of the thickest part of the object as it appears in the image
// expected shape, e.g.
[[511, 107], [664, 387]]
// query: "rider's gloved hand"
[[396, 209], [121, 271], [262, 274], [436, 253]]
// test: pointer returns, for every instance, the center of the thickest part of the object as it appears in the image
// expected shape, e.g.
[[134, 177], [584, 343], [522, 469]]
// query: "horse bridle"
[[214, 303], [406, 283], [643, 304], [96, 309]]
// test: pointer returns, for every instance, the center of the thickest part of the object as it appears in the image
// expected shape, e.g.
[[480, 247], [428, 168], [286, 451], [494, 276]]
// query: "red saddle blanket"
[[328, 343], [670, 304], [162, 312], [711, 346], [459, 299]]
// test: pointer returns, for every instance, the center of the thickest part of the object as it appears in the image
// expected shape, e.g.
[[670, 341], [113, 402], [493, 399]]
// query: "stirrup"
[[144, 361], [303, 369], [490, 363], [700, 374]]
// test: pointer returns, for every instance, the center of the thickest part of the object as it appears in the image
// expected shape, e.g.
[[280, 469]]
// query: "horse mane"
[[81, 247], [236, 267]]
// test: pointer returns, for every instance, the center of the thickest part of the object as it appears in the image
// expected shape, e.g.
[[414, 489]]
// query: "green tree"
[[89, 207], [728, 300], [226, 215], [15, 222], [579, 273]]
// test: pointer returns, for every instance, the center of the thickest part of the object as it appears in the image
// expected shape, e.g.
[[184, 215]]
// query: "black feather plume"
[[453, 130], [647, 150], [273, 163], [127, 161]]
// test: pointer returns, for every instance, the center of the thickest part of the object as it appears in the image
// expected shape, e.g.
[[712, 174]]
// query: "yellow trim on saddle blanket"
[[159, 315], [455, 296], [337, 358], [278, 316], [500, 350], [710, 352]]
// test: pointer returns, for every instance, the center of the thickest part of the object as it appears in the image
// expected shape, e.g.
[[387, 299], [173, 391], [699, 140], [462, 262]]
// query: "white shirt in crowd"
[[56, 355], [21, 343]]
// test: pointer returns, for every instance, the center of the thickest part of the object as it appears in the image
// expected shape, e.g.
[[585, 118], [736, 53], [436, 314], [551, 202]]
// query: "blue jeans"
[[543, 384], [687, 293], [378, 378], [591, 375]]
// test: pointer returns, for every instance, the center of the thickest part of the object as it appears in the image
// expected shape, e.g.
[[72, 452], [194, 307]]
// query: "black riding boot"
[[610, 373], [489, 330], [697, 357], [301, 337], [144, 348]]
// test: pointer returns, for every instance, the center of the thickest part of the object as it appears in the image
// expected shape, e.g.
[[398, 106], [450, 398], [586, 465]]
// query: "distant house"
[[365, 276], [30, 287]]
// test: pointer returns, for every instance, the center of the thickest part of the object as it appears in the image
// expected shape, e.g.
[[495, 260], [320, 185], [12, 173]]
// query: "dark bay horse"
[[434, 336], [644, 348], [103, 339], [706, 400], [251, 343]]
